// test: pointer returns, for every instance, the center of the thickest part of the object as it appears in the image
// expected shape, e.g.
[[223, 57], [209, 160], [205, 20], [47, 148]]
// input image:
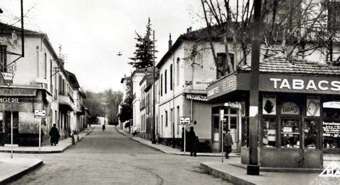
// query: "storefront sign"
[[331, 129], [299, 83], [269, 106], [228, 84], [313, 107], [17, 92], [235, 105], [185, 120], [9, 100], [196, 97], [290, 108], [40, 113]]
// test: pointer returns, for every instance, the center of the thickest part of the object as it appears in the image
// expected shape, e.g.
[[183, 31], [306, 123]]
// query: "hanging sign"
[[313, 107], [290, 108], [269, 106]]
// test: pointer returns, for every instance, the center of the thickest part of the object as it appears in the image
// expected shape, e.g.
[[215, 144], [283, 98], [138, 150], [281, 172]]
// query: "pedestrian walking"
[[54, 134], [192, 142], [228, 142], [103, 127]]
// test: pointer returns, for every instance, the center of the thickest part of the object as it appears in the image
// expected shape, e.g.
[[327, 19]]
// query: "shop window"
[[331, 128], [269, 132], [310, 131], [290, 135], [233, 122]]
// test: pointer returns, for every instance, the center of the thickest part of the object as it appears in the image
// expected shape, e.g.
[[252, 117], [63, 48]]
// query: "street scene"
[[170, 92]]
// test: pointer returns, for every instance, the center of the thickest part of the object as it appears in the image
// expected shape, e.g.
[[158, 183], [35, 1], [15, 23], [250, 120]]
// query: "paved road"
[[108, 158]]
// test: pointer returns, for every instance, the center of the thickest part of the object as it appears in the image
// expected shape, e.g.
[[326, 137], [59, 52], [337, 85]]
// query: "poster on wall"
[[313, 107], [269, 106]]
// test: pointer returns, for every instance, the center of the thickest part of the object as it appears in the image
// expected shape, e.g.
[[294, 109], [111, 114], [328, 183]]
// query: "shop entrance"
[[5, 124], [232, 120]]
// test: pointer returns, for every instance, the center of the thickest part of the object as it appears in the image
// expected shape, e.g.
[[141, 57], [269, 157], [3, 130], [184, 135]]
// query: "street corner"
[[17, 167]]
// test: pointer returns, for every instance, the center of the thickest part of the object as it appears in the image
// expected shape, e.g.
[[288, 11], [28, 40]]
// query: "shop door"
[[231, 122], [7, 120]]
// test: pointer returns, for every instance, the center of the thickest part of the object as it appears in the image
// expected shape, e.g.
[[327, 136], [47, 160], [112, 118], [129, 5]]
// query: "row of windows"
[[166, 118], [164, 78]]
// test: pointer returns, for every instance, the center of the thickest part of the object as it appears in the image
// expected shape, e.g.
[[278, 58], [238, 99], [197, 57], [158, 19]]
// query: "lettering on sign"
[[331, 129], [9, 100], [290, 108], [197, 97], [300, 84]]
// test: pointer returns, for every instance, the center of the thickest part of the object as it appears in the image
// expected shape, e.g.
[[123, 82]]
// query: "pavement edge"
[[22, 173], [224, 175]]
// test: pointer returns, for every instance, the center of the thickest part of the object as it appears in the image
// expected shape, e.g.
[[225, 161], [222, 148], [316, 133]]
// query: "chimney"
[[170, 41], [189, 29]]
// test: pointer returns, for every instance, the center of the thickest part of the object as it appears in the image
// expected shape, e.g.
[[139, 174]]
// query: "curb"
[[166, 152], [135, 140], [224, 175], [50, 151], [22, 173]]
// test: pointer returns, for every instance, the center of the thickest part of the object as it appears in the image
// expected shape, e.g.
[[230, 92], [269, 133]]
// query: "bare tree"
[[292, 29]]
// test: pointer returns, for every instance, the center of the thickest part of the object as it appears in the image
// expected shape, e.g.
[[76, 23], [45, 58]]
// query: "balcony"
[[65, 102]]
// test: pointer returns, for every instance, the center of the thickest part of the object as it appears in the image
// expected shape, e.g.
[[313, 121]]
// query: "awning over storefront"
[[282, 77], [26, 92]]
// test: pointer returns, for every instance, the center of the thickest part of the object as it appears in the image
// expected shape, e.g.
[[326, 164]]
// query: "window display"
[[290, 135], [331, 128], [269, 132]]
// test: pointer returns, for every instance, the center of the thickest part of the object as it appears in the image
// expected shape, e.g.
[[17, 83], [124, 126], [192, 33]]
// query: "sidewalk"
[[237, 175], [167, 149], [12, 169], [61, 147]]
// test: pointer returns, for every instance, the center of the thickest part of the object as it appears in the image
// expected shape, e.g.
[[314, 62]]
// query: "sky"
[[92, 32]]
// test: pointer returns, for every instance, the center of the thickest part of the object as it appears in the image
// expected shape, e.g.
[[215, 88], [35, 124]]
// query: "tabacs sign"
[[299, 83]]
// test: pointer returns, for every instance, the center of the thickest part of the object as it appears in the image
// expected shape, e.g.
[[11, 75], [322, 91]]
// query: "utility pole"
[[153, 125], [253, 166]]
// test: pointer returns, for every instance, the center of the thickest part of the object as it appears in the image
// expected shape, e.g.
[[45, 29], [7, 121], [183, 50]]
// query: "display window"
[[331, 128], [290, 133], [269, 126]]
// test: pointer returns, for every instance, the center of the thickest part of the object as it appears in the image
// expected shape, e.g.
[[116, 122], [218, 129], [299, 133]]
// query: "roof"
[[280, 65], [72, 79], [197, 35], [6, 29]]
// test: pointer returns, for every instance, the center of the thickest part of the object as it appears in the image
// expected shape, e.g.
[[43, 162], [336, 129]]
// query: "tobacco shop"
[[299, 112], [17, 106]]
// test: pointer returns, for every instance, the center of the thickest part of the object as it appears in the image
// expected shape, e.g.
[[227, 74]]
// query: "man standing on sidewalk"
[[54, 134], [228, 142]]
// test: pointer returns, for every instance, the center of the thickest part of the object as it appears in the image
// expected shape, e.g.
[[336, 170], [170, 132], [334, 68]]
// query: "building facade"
[[36, 82]]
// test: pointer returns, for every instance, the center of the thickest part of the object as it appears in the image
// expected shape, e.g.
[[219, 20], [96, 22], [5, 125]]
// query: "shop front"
[[295, 127], [17, 106]]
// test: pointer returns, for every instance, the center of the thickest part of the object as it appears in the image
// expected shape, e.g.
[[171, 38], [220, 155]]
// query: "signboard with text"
[[299, 83]]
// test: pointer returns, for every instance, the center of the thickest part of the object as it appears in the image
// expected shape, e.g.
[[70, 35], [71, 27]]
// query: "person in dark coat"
[[192, 142], [227, 142], [54, 134]]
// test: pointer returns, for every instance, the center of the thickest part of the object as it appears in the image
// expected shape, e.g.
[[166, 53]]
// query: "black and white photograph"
[[169, 92]]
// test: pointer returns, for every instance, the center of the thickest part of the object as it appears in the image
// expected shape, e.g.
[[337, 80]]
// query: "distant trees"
[[145, 49], [103, 104]]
